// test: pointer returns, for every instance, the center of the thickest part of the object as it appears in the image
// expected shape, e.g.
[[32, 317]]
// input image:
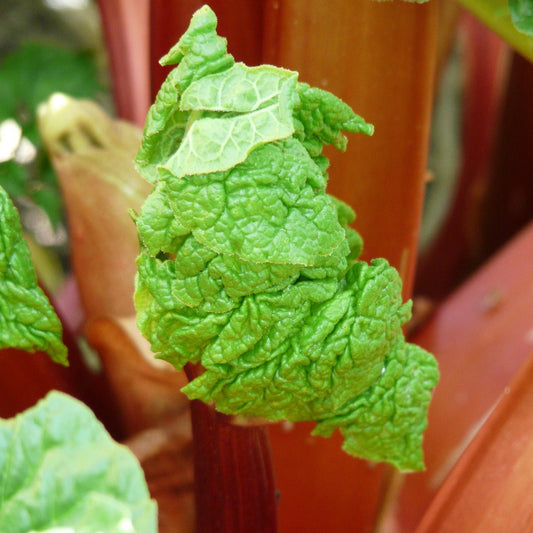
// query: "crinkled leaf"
[[163, 132], [253, 107], [522, 15], [27, 320], [240, 89], [60, 470], [158, 228], [267, 209], [213, 144], [262, 286], [323, 117], [386, 423], [306, 350], [200, 51], [179, 333]]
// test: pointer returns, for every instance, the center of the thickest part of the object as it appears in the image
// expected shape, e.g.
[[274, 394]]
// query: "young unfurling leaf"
[[27, 320], [248, 266]]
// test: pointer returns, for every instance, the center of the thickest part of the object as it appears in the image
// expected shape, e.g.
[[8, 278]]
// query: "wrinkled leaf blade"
[[59, 468], [27, 320], [239, 89], [218, 144]]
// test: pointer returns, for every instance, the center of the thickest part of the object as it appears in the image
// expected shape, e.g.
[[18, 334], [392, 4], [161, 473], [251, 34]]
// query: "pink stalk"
[[233, 473], [125, 24]]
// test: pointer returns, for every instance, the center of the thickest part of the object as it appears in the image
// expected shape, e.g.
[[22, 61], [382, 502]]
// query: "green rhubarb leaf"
[[27, 320], [213, 144], [251, 106], [267, 209], [306, 350], [163, 131], [522, 15], [323, 118], [177, 332], [158, 229], [200, 51], [240, 89], [61, 471], [248, 266], [387, 422]]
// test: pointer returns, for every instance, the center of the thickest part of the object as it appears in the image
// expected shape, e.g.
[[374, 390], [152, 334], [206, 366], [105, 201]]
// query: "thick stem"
[[233, 475], [508, 205]]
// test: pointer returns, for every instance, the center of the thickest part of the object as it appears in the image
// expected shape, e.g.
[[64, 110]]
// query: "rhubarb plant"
[[248, 268]]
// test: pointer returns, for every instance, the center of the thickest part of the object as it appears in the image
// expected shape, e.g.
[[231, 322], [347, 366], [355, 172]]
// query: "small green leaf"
[[27, 320], [60, 470], [158, 229], [177, 332], [324, 118], [163, 131], [522, 15], [253, 106], [200, 51]]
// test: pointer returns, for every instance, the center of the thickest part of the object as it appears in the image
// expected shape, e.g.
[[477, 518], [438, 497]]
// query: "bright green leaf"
[[214, 144], [248, 266], [266, 209], [200, 51], [158, 229], [306, 350], [163, 131], [239, 89], [522, 15], [61, 471], [27, 320], [387, 422], [324, 118]]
